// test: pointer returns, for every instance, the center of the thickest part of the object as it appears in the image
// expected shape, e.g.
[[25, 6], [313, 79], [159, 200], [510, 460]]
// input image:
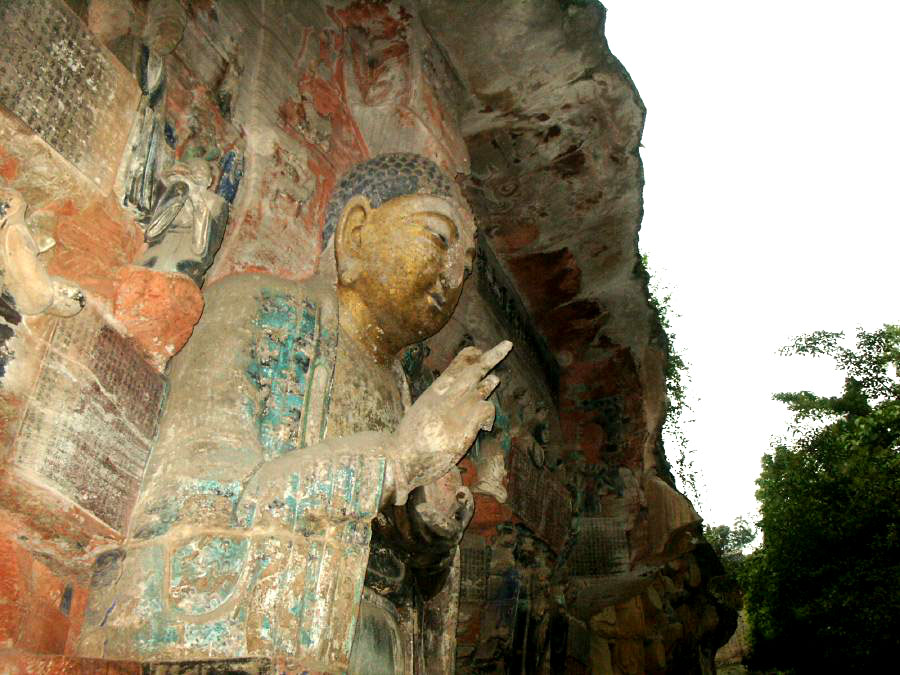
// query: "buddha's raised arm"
[[431, 438]]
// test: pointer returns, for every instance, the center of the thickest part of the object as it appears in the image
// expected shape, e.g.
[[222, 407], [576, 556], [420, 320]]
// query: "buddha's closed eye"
[[441, 228]]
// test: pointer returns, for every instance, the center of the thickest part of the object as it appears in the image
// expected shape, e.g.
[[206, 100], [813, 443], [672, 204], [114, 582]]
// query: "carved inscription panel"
[[474, 559], [91, 420], [62, 83], [539, 499], [601, 547]]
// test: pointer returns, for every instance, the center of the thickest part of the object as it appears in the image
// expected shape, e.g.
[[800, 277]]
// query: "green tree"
[[729, 543], [823, 590]]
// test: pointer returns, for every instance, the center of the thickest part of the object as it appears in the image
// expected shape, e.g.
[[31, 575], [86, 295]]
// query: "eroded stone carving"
[[531, 427], [165, 25], [146, 145], [24, 275], [491, 472], [286, 433], [188, 221], [110, 19]]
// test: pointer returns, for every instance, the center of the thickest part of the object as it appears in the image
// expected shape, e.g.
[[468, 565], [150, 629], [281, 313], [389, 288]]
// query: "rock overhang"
[[553, 123]]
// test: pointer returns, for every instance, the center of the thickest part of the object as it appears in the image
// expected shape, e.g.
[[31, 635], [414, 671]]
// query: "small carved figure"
[[532, 429], [187, 224], [24, 275], [540, 432]]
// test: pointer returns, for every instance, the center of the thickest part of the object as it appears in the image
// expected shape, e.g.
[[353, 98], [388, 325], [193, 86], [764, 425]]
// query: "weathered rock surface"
[[552, 123], [593, 562]]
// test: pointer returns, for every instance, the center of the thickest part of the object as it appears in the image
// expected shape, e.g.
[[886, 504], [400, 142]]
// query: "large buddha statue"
[[288, 428]]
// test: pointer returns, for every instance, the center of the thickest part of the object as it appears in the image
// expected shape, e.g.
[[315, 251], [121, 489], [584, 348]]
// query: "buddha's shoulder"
[[241, 296], [244, 312]]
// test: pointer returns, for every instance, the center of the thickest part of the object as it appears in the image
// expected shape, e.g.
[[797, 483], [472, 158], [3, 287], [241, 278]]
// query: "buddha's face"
[[406, 261]]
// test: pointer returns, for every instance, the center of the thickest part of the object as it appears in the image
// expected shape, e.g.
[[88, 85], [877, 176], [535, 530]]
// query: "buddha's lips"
[[437, 299]]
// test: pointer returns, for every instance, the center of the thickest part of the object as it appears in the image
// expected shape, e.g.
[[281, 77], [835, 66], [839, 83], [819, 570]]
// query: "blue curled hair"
[[386, 177]]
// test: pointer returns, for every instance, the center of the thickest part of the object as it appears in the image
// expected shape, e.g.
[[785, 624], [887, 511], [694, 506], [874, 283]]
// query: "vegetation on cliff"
[[677, 380], [822, 591]]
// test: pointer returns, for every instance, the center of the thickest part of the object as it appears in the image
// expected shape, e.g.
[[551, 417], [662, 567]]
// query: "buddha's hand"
[[441, 425]]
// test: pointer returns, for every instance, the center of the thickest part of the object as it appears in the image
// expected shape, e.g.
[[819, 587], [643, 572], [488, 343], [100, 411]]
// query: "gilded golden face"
[[406, 262]]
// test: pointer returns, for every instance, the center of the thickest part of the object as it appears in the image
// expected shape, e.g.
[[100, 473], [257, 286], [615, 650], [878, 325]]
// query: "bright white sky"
[[771, 155]]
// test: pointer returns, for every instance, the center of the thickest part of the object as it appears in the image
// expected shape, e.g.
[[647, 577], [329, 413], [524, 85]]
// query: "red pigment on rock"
[[9, 168], [159, 310], [546, 280], [90, 245]]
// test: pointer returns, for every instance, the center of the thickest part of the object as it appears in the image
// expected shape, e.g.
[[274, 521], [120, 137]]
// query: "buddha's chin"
[[420, 325], [436, 321], [425, 329]]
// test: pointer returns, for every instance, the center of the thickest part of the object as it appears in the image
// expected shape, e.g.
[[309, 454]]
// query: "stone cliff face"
[[581, 557], [552, 122]]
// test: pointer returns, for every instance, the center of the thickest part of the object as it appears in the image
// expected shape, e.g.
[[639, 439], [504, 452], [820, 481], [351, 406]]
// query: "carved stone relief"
[[601, 547], [24, 274], [147, 151], [187, 224], [58, 79], [491, 472], [301, 427], [165, 25]]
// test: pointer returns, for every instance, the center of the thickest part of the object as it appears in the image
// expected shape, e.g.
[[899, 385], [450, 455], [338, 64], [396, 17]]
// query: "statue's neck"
[[366, 395], [359, 323]]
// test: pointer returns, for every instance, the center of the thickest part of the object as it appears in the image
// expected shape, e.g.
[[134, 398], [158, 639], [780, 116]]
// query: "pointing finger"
[[467, 355], [466, 379], [467, 369], [493, 356], [461, 361]]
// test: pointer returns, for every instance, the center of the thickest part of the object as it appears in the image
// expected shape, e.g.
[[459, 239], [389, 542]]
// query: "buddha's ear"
[[348, 237]]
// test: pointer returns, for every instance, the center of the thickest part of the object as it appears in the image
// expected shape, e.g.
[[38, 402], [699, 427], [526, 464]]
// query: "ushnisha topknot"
[[385, 177]]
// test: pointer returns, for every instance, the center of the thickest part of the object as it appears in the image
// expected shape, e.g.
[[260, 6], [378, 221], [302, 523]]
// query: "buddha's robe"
[[210, 570]]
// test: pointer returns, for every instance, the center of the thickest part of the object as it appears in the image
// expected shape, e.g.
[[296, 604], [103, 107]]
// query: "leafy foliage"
[[729, 543], [677, 379], [822, 591]]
